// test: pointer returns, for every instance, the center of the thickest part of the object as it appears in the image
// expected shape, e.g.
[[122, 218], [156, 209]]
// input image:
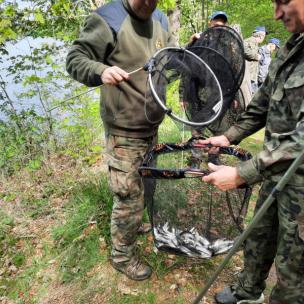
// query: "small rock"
[[173, 287], [13, 269], [182, 282], [52, 262]]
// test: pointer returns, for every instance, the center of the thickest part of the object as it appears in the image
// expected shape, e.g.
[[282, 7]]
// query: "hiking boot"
[[134, 269], [228, 296], [144, 228]]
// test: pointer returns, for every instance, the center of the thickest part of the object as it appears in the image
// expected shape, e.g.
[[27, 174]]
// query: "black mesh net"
[[223, 72], [227, 42], [236, 108], [190, 217], [222, 49], [184, 86]]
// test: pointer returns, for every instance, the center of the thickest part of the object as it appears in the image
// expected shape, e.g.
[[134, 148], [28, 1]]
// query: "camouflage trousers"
[[279, 237], [125, 155]]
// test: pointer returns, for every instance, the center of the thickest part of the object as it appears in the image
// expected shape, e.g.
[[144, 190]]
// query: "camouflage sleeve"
[[252, 120], [86, 59], [274, 161], [251, 51]]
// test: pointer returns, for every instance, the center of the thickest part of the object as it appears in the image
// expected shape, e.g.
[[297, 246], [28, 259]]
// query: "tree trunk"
[[174, 20]]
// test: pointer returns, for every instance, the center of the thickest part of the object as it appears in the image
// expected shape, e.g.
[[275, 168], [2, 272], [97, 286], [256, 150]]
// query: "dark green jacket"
[[113, 36], [279, 107]]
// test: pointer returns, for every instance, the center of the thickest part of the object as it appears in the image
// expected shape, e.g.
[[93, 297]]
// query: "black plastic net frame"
[[222, 49], [188, 216]]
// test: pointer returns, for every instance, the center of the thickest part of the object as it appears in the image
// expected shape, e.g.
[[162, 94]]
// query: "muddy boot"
[[134, 269], [228, 296]]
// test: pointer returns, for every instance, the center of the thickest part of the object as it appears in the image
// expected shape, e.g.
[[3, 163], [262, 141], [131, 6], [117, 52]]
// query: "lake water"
[[24, 47]]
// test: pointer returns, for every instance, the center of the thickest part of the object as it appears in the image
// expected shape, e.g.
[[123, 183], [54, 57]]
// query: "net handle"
[[217, 107]]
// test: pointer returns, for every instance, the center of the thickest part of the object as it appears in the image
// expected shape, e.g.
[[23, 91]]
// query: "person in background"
[[279, 236], [118, 38], [266, 52], [218, 18], [252, 56]]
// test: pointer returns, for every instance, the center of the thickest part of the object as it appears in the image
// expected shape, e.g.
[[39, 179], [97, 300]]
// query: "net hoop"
[[147, 171], [218, 30], [217, 108]]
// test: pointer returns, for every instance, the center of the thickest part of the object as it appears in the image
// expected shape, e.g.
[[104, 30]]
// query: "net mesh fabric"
[[223, 72], [190, 217], [227, 42], [228, 65], [236, 108], [184, 85]]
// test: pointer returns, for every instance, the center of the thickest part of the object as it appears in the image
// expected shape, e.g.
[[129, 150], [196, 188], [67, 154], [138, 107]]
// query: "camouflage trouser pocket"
[[125, 155], [118, 174]]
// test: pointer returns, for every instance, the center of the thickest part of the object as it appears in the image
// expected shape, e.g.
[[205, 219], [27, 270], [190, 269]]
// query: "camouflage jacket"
[[279, 107], [251, 49]]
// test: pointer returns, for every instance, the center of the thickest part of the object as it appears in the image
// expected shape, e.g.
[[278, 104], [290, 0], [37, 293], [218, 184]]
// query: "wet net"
[[190, 217], [184, 86]]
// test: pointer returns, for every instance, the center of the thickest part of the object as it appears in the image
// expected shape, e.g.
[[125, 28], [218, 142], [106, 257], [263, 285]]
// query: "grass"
[[77, 240]]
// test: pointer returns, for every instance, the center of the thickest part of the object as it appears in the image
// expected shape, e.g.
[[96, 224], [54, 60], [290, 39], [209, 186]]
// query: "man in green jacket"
[[279, 236], [116, 39]]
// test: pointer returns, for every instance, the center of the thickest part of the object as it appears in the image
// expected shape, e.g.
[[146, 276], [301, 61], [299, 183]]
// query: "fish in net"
[[190, 217]]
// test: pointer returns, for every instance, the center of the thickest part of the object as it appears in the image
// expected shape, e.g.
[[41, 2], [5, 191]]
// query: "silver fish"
[[221, 246]]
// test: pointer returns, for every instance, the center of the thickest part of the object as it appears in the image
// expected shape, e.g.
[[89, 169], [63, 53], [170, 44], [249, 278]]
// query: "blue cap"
[[260, 29], [275, 41], [219, 14]]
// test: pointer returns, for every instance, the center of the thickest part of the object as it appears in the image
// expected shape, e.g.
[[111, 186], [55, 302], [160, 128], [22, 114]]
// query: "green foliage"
[[250, 14], [6, 223], [19, 144], [60, 19], [165, 5]]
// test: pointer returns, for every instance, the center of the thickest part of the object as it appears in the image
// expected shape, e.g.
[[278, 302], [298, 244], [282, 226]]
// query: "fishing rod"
[[90, 90], [275, 191]]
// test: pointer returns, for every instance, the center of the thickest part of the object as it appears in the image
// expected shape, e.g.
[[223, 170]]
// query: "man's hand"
[[223, 177], [114, 75], [217, 141], [194, 37]]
